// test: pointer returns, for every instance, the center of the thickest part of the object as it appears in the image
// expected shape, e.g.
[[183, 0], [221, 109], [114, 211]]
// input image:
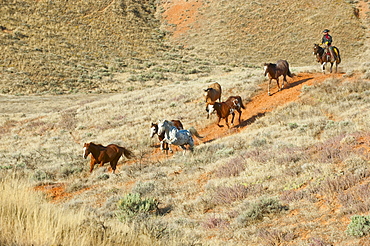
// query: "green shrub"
[[132, 205], [359, 226], [257, 211]]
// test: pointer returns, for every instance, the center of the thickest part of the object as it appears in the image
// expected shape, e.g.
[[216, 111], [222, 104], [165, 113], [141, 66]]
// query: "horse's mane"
[[100, 145]]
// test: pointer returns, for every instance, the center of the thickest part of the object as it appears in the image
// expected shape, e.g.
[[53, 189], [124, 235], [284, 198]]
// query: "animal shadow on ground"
[[242, 124], [249, 121], [295, 83]]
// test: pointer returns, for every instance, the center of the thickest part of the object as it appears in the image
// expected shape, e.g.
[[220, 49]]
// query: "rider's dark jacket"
[[327, 39]]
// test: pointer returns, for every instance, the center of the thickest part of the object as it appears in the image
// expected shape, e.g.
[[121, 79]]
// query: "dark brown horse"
[[281, 68], [102, 154], [224, 109], [154, 130], [323, 57]]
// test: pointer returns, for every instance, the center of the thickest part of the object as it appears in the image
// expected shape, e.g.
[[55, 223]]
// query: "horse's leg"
[[191, 144], [183, 149], [323, 67], [218, 121], [240, 114], [113, 165], [164, 145], [284, 80], [268, 88], [278, 85], [331, 67], [92, 164], [169, 148], [161, 145], [232, 119], [227, 122]]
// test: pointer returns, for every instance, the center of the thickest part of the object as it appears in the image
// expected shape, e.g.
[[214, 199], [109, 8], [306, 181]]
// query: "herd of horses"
[[173, 132]]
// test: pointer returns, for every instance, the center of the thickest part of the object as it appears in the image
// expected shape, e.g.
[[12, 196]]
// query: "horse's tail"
[[127, 153], [194, 132], [337, 58], [241, 104], [289, 73]]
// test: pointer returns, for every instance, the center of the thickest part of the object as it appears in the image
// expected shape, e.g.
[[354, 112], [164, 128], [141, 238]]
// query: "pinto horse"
[[174, 136], [323, 58], [102, 154], [154, 130], [281, 68], [224, 109]]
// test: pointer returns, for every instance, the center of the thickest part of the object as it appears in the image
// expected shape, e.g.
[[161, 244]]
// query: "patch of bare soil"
[[181, 15], [56, 192]]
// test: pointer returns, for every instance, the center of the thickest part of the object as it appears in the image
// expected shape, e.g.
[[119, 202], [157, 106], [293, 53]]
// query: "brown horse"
[[154, 130], [213, 92], [224, 109], [281, 68], [323, 57], [102, 154]]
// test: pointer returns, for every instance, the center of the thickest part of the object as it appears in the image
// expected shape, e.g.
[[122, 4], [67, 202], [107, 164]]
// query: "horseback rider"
[[326, 41]]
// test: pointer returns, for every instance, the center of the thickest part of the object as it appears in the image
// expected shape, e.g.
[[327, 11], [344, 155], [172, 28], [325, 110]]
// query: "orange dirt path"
[[257, 107], [262, 103]]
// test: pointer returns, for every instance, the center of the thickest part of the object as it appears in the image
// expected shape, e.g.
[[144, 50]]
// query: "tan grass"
[[26, 220], [285, 152], [297, 154]]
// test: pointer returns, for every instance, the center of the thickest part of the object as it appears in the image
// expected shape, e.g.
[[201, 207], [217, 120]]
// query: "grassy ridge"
[[62, 47], [293, 176], [254, 32]]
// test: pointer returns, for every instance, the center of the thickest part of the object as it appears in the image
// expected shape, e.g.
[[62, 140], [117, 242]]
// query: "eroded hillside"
[[109, 46]]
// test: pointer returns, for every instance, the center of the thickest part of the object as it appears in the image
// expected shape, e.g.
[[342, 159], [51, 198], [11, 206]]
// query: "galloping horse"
[[174, 136], [102, 154], [154, 130], [281, 68], [323, 59], [212, 93], [224, 109]]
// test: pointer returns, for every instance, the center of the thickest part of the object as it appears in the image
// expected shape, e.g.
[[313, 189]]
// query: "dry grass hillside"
[[294, 171], [248, 32], [94, 46]]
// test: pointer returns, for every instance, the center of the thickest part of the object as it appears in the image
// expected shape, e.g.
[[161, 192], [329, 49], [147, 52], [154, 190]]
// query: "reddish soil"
[[56, 191], [257, 107], [262, 103], [181, 15]]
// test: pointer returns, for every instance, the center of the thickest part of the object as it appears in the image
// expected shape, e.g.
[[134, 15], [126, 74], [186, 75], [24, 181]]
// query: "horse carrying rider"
[[326, 41]]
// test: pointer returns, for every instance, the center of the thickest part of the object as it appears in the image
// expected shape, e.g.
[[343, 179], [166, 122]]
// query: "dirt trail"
[[257, 107], [262, 103]]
